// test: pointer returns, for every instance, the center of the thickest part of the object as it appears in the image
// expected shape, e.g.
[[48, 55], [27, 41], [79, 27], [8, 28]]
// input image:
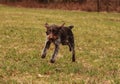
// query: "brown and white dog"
[[59, 35]]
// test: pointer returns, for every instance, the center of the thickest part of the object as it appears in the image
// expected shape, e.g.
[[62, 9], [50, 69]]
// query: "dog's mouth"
[[52, 38]]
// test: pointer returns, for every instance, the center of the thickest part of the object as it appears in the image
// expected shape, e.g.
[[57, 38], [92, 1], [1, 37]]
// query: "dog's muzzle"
[[51, 37]]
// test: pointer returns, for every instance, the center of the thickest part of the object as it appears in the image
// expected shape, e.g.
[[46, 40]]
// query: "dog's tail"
[[71, 26]]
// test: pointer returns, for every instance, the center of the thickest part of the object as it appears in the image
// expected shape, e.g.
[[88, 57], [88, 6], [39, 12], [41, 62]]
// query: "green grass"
[[22, 37]]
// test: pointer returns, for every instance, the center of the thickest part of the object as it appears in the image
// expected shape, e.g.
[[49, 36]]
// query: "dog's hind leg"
[[47, 45], [73, 52], [73, 55], [72, 47], [69, 47]]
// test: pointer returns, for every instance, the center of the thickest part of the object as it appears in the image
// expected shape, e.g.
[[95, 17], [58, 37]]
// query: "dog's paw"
[[43, 56], [73, 60], [52, 61]]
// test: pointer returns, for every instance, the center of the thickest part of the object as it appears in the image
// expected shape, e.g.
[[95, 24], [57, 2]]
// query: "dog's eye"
[[53, 30], [47, 33]]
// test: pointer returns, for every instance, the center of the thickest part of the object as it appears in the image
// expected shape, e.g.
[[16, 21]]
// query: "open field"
[[22, 37]]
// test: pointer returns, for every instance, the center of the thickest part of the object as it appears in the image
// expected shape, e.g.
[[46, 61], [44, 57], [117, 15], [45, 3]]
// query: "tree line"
[[44, 1], [87, 5]]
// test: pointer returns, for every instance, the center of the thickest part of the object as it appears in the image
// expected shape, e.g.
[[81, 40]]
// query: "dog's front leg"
[[47, 45], [54, 54], [57, 43]]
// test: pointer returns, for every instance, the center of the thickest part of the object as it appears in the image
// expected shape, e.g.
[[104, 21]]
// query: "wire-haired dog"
[[59, 35]]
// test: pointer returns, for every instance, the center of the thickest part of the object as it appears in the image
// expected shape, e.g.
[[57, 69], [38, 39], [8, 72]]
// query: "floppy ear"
[[46, 25], [71, 26]]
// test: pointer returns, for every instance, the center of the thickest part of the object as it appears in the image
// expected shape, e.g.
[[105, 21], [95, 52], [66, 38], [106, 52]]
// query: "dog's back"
[[66, 34]]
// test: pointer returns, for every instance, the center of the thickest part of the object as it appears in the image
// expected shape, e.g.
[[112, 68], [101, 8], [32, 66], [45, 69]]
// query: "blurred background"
[[82, 5]]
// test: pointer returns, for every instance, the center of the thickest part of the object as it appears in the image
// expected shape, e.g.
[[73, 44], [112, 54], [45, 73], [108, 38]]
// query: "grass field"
[[22, 37]]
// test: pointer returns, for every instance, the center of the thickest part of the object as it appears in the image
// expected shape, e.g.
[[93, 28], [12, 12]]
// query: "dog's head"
[[53, 31]]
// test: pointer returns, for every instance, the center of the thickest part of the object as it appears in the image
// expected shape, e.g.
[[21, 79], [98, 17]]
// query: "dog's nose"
[[50, 36]]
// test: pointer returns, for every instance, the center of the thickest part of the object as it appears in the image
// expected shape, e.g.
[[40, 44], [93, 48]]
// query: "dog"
[[59, 35]]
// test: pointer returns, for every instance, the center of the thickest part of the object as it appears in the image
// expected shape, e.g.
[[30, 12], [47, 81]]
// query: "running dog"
[[59, 35]]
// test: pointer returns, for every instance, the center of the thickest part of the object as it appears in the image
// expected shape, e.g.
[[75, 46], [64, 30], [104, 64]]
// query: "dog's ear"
[[71, 26], [62, 25], [47, 25]]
